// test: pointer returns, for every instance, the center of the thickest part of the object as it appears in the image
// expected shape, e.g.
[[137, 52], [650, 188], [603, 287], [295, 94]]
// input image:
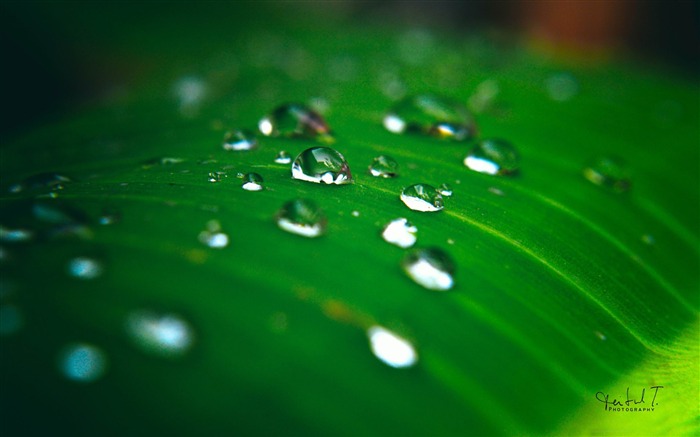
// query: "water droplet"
[[252, 182], [648, 239], [431, 115], [283, 158], [561, 86], [496, 191], [484, 97], [50, 180], [295, 120], [15, 235], [83, 362], [431, 268], [212, 236], [422, 197], [601, 336], [355, 213], [445, 190], [85, 268], [302, 217], [239, 140], [391, 349], [214, 176], [190, 91], [610, 172], [166, 335], [109, 217], [321, 165], [400, 232], [384, 166], [450, 241], [11, 319], [493, 156]]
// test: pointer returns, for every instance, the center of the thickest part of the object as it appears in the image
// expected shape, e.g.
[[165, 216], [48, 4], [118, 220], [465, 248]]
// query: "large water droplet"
[[610, 172], [302, 217], [283, 157], [167, 335], [252, 182], [391, 349], [239, 140], [83, 362], [85, 268], [431, 268], [493, 156], [212, 235], [295, 120], [422, 197], [384, 166], [431, 115], [400, 232], [321, 165]]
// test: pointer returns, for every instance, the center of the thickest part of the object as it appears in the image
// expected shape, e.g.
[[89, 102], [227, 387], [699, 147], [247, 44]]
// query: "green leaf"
[[563, 288]]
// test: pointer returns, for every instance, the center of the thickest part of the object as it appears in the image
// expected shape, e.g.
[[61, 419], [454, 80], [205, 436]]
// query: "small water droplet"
[[493, 156], [83, 362], [384, 166], [600, 336], [48, 180], [450, 241], [431, 268], [109, 217], [212, 236], [15, 235], [431, 115], [561, 86], [610, 172], [355, 213], [445, 190], [165, 335], [400, 232], [252, 182], [648, 239], [302, 217], [283, 157], [390, 348], [214, 176], [239, 140], [422, 197], [85, 268], [295, 120], [496, 191], [322, 165], [11, 319]]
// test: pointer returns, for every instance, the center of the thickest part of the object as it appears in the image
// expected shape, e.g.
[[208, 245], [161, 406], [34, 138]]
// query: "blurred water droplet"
[[450, 241], [15, 235], [212, 236], [83, 362], [190, 91], [295, 120], [610, 172], [322, 165], [165, 335], [493, 156], [41, 181], [431, 115], [422, 197], [252, 182], [648, 239], [355, 213], [85, 268], [431, 268], [56, 213], [163, 161], [390, 348], [302, 217], [384, 166], [11, 319], [283, 157], [484, 97], [109, 217], [239, 140], [400, 232], [496, 191], [601, 336], [561, 86], [445, 190]]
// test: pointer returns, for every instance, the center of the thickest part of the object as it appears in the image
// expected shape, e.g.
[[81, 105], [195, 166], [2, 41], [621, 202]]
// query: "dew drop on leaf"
[[431, 268], [295, 120], [162, 334], [445, 190], [85, 268], [493, 156], [212, 236], [283, 157], [384, 166], [610, 172], [422, 197], [302, 217], [83, 362], [252, 182], [322, 165], [400, 232], [390, 348], [433, 116], [239, 140]]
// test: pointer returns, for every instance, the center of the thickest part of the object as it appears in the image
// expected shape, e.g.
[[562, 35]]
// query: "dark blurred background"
[[60, 55]]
